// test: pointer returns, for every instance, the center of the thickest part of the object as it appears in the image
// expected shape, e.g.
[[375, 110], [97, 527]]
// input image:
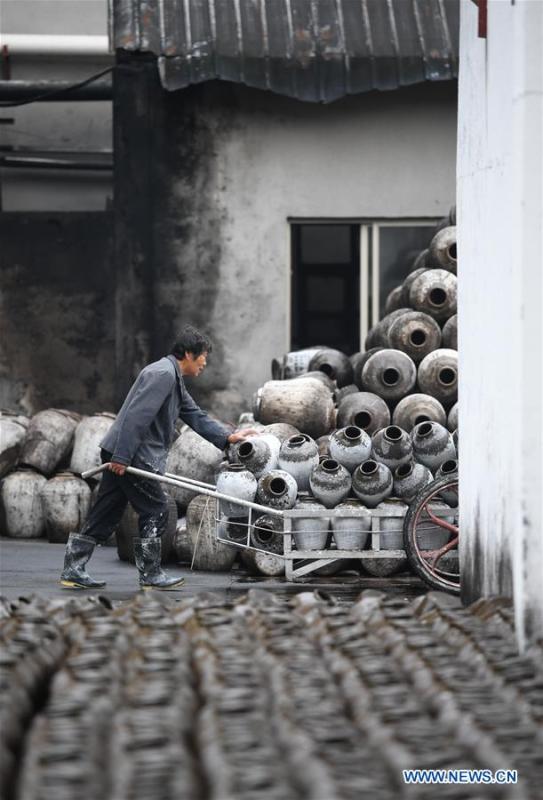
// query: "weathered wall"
[[233, 164], [56, 311], [500, 190]]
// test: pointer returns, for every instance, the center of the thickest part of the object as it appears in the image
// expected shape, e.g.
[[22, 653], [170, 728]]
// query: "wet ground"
[[261, 695]]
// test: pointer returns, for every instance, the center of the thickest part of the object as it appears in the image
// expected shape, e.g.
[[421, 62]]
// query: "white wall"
[[375, 155], [56, 126], [500, 216]]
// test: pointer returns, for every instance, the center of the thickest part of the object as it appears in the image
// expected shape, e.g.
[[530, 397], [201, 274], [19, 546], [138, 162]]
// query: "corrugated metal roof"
[[315, 50]]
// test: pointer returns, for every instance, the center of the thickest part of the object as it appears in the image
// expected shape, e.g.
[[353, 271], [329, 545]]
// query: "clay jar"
[[417, 408], [298, 456], [432, 444], [358, 360], [66, 501], [452, 419], [392, 446], [49, 439], [417, 270], [365, 410], [350, 446], [267, 534], [372, 482], [434, 292], [378, 335], [449, 469], [23, 509], [330, 482], [259, 454], [390, 374], [438, 375], [394, 300], [416, 334], [409, 479], [237, 481], [281, 430], [310, 533], [449, 333], [305, 404], [351, 525], [443, 248], [333, 363], [277, 489]]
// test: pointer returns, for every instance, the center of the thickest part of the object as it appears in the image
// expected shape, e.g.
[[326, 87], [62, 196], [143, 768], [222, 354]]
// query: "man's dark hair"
[[192, 341]]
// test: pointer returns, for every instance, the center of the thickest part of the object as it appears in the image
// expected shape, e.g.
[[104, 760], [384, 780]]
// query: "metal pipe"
[[20, 162], [193, 485], [55, 45], [27, 90]]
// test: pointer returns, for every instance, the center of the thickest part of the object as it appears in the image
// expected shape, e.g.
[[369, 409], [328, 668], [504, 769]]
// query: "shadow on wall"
[[57, 311]]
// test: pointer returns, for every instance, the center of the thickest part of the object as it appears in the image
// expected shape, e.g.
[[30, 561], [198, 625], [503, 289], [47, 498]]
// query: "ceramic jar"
[[235, 529], [390, 374], [366, 410], [452, 419], [443, 248], [49, 439], [333, 363], [432, 444], [277, 489], [311, 533], [351, 525], [449, 469], [438, 375], [416, 334], [372, 482], [449, 334], [434, 292], [409, 479], [305, 404], [66, 502], [391, 524], [267, 534], [417, 270], [330, 482], [87, 439], [350, 446], [23, 509], [394, 300], [259, 454], [417, 408], [392, 446], [358, 360], [236, 481], [298, 456], [281, 430]]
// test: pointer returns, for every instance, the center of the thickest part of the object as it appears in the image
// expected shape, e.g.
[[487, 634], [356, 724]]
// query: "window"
[[342, 272]]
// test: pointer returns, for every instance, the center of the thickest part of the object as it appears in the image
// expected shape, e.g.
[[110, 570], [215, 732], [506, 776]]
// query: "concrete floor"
[[33, 567]]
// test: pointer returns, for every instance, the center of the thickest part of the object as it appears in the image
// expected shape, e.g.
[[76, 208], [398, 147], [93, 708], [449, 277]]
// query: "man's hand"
[[118, 469], [239, 436]]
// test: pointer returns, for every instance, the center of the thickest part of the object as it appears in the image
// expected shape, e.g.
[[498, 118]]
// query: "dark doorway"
[[325, 286]]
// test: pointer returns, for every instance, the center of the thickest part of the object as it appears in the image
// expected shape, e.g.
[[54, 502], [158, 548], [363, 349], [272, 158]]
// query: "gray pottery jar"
[[322, 377], [281, 430], [259, 454], [66, 502], [351, 532], [22, 505], [298, 456], [277, 489], [323, 445], [432, 445], [449, 469], [208, 552], [452, 419], [263, 563], [12, 436], [409, 479], [449, 334], [341, 394], [333, 363], [391, 527], [378, 335], [235, 529], [330, 482], [267, 534], [394, 300], [416, 334], [350, 446], [192, 457], [88, 436], [434, 292], [293, 364], [456, 441], [305, 404], [236, 481], [366, 410], [417, 408], [438, 375], [358, 361], [372, 482], [392, 446], [49, 439], [311, 533], [390, 374], [443, 248]]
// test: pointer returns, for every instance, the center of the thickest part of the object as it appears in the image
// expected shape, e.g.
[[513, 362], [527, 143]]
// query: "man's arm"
[[201, 422], [151, 393]]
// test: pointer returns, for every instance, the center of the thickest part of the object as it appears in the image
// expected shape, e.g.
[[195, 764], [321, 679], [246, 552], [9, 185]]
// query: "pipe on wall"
[[55, 45]]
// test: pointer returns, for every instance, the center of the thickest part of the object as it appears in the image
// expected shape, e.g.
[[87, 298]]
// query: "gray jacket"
[[143, 431]]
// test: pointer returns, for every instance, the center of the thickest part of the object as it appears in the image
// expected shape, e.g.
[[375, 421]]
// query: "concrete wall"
[[56, 312], [56, 126], [233, 164], [500, 189]]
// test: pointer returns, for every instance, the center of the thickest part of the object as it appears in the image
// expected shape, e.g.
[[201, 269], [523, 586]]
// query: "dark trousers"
[[146, 497]]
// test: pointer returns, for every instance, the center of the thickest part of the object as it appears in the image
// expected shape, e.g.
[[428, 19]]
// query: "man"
[[141, 437]]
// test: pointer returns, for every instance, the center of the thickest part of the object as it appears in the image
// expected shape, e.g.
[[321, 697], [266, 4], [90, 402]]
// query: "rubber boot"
[[79, 549], [147, 556]]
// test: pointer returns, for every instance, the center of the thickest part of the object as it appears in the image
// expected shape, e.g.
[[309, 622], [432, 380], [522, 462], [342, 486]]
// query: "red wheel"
[[430, 535]]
